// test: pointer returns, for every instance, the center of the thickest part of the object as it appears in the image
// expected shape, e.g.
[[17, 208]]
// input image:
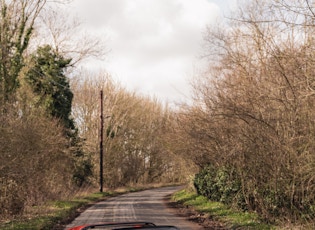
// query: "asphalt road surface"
[[148, 205]]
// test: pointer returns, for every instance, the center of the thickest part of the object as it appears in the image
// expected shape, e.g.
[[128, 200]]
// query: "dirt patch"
[[191, 214]]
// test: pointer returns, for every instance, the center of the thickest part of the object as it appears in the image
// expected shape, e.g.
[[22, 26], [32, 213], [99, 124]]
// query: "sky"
[[154, 45]]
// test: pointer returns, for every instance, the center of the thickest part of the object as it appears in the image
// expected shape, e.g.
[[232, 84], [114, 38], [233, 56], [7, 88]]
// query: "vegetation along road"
[[245, 137], [146, 205]]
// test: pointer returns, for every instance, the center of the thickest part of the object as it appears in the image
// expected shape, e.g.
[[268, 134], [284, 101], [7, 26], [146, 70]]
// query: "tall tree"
[[17, 19], [46, 75], [253, 112], [47, 78]]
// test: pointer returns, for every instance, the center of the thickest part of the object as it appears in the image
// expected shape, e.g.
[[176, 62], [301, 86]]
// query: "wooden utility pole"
[[101, 143]]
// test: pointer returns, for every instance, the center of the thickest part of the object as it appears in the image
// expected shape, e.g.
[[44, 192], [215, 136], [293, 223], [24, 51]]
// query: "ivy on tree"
[[17, 18], [48, 81]]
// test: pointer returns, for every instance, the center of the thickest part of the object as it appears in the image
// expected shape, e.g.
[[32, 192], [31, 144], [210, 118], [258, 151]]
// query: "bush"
[[219, 184], [35, 163]]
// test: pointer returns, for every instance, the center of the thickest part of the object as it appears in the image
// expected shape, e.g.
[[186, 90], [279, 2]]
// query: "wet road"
[[146, 206]]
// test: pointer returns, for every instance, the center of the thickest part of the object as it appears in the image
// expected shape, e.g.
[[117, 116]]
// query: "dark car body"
[[123, 225]]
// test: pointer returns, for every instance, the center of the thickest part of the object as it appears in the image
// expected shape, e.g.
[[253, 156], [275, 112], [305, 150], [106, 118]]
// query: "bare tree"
[[136, 127], [67, 36], [253, 110], [16, 28]]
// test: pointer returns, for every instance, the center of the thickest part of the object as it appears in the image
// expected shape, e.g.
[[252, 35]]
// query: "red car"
[[121, 226]]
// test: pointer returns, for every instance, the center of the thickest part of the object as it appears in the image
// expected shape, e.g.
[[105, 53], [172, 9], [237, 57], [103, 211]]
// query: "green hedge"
[[219, 184]]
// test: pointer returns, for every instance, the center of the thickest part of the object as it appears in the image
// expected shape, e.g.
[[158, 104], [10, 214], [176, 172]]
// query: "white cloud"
[[153, 43]]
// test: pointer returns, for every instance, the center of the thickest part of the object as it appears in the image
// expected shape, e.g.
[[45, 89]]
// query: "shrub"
[[219, 184], [35, 163]]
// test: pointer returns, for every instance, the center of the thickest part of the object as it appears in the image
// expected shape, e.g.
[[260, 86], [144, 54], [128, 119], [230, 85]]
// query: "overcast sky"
[[154, 44]]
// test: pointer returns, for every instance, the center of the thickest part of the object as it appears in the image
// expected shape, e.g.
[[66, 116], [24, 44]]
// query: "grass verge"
[[230, 218], [55, 215]]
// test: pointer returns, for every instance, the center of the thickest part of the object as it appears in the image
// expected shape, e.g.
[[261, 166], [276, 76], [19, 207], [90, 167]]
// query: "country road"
[[148, 205]]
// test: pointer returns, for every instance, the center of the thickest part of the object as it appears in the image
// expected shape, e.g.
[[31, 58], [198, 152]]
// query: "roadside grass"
[[232, 219], [55, 215]]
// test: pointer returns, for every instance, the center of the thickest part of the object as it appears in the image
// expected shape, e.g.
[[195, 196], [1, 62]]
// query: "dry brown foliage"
[[35, 165], [136, 149], [254, 111]]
